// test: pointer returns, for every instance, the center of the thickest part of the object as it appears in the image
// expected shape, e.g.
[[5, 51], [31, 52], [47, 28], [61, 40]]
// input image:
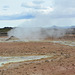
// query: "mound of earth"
[[12, 38]]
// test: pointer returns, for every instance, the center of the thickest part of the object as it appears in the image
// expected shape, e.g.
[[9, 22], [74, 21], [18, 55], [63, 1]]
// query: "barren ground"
[[63, 62]]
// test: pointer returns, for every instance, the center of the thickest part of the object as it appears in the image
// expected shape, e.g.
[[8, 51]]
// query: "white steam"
[[37, 29], [26, 33], [36, 33]]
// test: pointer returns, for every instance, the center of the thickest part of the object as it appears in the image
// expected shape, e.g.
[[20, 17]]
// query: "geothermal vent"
[[12, 38]]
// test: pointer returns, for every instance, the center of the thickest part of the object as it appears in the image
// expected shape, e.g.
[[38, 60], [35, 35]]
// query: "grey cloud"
[[38, 2], [33, 6], [5, 7], [64, 9], [17, 17], [62, 16], [26, 6], [65, 3]]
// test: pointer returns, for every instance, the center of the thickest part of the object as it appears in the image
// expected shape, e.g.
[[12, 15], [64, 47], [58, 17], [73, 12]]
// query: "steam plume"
[[36, 33], [37, 29]]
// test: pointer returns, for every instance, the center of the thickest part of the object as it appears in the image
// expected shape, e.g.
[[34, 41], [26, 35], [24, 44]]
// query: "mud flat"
[[63, 63], [64, 42]]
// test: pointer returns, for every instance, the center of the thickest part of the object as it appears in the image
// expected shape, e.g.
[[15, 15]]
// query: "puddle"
[[69, 43], [5, 60]]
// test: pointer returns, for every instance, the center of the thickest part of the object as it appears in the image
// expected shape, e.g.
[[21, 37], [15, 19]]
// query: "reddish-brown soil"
[[62, 64]]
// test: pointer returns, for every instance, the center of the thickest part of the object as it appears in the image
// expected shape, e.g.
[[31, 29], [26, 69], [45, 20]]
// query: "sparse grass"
[[5, 29]]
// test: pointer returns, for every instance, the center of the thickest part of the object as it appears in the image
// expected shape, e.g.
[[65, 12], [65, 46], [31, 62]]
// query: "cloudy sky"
[[38, 12]]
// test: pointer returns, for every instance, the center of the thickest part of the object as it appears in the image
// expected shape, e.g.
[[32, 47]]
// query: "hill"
[[3, 31]]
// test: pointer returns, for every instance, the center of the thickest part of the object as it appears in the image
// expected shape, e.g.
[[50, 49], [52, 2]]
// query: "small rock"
[[34, 67], [46, 60]]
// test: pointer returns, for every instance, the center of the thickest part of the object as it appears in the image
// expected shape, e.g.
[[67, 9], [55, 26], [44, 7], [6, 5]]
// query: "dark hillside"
[[3, 31]]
